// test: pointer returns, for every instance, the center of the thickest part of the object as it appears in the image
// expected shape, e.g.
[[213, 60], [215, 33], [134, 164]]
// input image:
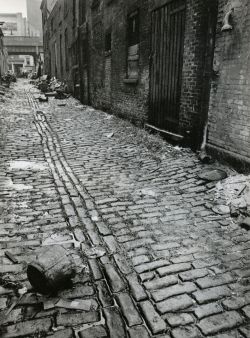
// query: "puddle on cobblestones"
[[27, 165]]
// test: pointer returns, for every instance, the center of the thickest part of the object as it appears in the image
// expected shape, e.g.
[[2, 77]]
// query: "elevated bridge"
[[24, 45]]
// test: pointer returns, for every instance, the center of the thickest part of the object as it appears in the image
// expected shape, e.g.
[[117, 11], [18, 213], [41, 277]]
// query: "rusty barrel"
[[52, 269]]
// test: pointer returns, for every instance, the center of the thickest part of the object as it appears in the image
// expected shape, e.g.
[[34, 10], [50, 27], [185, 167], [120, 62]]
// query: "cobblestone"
[[173, 291], [187, 332], [115, 324], [93, 332], [212, 294], [181, 319], [220, 322], [167, 251], [209, 282], [116, 282], [208, 310], [174, 268], [174, 304], [129, 311], [71, 319], [154, 321], [159, 283]]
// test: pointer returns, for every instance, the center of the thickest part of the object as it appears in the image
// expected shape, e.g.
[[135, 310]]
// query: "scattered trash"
[[58, 328], [211, 175], [60, 95], [108, 117], [52, 94], [56, 239], [43, 99], [11, 257], [221, 209], [245, 223], [110, 135], [234, 192], [77, 304], [234, 212], [94, 252], [22, 291], [232, 187], [148, 192], [52, 270], [205, 158], [5, 315]]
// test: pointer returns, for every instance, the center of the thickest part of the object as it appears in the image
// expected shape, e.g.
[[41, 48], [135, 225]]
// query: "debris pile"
[[232, 194], [52, 275], [235, 191], [7, 78], [51, 87], [5, 82]]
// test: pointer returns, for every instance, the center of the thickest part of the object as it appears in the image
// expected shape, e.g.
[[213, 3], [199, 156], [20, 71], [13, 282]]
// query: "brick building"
[[134, 74], [151, 61], [3, 56], [229, 112]]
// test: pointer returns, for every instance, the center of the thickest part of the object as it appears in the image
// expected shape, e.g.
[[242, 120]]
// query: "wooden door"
[[167, 42]]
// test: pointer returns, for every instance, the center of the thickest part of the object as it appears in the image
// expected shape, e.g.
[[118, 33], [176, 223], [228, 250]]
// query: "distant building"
[[13, 24], [3, 56], [34, 18]]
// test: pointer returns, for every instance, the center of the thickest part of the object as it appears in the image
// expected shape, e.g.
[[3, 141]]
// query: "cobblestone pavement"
[[172, 267]]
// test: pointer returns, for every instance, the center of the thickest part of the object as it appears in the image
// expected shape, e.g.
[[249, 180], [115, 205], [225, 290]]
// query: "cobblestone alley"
[[167, 264]]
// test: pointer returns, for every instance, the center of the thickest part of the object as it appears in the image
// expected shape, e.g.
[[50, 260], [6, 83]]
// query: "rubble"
[[234, 191]]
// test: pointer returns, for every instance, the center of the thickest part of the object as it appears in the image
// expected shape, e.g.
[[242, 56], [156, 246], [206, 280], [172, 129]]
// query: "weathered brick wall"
[[131, 100], [229, 113], [108, 87], [62, 19], [191, 119], [108, 71]]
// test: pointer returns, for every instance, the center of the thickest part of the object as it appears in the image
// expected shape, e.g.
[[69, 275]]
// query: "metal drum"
[[52, 269]]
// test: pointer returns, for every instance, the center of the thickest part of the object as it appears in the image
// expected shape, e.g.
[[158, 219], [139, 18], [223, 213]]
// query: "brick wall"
[[191, 117], [110, 87], [229, 113], [60, 19], [131, 99]]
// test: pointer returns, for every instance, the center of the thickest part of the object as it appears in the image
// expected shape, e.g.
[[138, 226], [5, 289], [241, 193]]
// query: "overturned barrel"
[[52, 270]]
